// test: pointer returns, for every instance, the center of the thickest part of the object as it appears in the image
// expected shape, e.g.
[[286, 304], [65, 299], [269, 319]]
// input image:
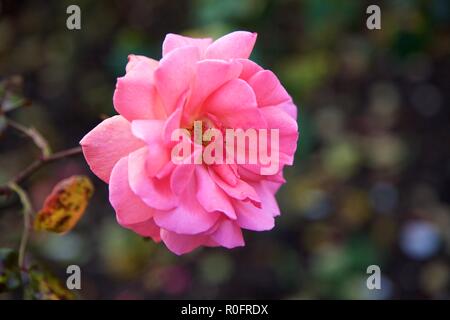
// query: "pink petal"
[[249, 175], [135, 96], [175, 41], [182, 243], [254, 174], [149, 131], [274, 186], [134, 60], [109, 141], [173, 122], [174, 75], [157, 158], [154, 192], [226, 172], [166, 170], [277, 118], [228, 234], [233, 94], [269, 202], [129, 208], [211, 74], [158, 155], [268, 89], [146, 228], [238, 44], [252, 218], [257, 169], [188, 217], [240, 191], [235, 105], [290, 108], [210, 196], [181, 177], [249, 68]]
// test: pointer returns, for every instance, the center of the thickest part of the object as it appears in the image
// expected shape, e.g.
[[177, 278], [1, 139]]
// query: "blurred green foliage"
[[371, 180]]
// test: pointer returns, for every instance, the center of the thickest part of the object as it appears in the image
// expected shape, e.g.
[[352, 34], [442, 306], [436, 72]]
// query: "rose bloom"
[[191, 205]]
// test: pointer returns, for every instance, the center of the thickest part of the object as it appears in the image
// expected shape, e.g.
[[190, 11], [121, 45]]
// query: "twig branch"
[[37, 164], [45, 157], [13, 185], [27, 214], [37, 138]]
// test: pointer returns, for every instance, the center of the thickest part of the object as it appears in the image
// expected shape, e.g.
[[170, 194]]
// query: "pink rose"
[[190, 205]]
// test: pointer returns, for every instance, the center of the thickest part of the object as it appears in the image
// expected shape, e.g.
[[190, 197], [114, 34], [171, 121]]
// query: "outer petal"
[[228, 234], [135, 96], [131, 212], [146, 228], [253, 218], [175, 41], [188, 217], [290, 108], [109, 141], [181, 243], [154, 192], [129, 208], [237, 44], [254, 174], [277, 118], [235, 105], [174, 75], [134, 60], [249, 68], [268, 89], [269, 202]]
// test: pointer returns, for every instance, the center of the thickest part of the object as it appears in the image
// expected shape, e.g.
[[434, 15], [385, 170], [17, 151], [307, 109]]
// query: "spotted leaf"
[[65, 205]]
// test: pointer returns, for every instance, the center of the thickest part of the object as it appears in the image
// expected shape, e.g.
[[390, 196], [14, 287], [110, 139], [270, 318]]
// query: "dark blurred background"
[[371, 181]]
